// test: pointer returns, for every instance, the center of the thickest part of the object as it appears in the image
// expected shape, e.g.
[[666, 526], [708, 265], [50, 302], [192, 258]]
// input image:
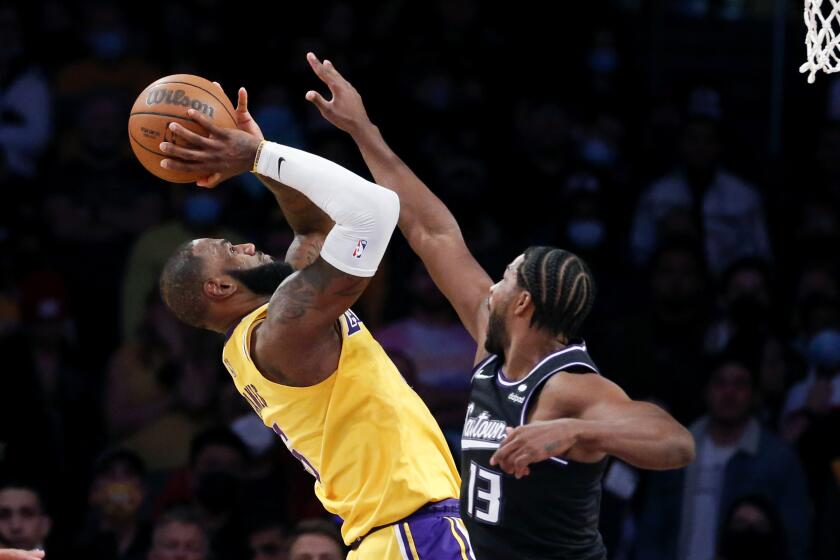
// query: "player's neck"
[[525, 352], [236, 311]]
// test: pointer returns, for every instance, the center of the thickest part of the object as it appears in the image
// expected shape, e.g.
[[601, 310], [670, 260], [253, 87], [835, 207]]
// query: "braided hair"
[[561, 287]]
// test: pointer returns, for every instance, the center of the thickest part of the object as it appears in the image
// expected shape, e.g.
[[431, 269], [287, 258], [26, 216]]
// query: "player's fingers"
[[503, 454], [317, 67], [206, 123], [318, 100], [242, 102], [186, 166], [520, 463], [189, 136], [210, 182], [333, 73], [180, 152], [218, 85]]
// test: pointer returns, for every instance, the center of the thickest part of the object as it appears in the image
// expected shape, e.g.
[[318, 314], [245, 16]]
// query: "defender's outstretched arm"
[[427, 224]]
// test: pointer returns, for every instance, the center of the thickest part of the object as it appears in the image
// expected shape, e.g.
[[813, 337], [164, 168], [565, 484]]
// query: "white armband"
[[364, 213]]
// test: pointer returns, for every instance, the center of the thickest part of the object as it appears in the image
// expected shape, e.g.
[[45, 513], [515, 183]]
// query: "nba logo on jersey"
[[360, 248], [354, 324]]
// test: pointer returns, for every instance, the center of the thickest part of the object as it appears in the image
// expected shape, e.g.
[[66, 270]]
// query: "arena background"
[[569, 126]]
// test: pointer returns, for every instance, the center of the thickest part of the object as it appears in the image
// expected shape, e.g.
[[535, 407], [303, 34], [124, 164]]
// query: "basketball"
[[167, 100]]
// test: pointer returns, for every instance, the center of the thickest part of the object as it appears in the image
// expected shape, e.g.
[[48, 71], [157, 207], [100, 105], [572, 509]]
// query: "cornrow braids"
[[561, 287], [181, 285]]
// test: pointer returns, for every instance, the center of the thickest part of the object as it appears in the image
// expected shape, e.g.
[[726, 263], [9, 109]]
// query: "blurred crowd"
[[633, 133]]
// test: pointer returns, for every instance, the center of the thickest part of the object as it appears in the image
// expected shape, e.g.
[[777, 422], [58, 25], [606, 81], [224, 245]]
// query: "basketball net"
[[822, 18]]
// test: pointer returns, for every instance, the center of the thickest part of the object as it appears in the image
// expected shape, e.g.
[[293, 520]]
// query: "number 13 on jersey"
[[484, 496]]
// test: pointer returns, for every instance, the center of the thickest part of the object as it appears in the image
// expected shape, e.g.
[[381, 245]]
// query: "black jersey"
[[553, 512]]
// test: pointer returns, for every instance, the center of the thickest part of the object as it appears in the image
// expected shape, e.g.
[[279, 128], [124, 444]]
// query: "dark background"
[[536, 125]]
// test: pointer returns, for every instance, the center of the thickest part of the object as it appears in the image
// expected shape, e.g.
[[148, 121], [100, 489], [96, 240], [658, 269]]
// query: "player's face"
[[315, 547], [255, 270], [268, 545], [501, 295], [221, 254], [178, 541], [22, 523]]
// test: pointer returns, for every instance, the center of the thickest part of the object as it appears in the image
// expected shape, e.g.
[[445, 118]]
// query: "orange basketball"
[[166, 101]]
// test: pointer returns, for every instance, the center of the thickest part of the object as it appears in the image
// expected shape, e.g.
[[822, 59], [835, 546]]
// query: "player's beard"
[[263, 279], [497, 335]]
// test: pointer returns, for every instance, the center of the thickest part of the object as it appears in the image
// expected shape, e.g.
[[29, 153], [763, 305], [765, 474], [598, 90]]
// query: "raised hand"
[[225, 153], [345, 110]]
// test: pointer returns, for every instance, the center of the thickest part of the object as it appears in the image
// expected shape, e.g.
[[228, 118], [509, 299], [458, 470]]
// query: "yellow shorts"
[[435, 532]]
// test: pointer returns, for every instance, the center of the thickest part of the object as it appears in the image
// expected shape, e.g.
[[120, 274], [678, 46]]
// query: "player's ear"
[[523, 303], [220, 287]]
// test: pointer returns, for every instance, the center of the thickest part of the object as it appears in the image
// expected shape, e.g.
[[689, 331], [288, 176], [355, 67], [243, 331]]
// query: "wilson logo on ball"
[[177, 97]]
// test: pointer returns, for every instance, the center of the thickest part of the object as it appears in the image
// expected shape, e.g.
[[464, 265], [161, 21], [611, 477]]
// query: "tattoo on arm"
[[304, 250], [308, 288]]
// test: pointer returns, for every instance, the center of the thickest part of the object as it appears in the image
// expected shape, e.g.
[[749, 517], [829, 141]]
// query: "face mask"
[[602, 60], [824, 350], [747, 311], [107, 45], [202, 209], [597, 152], [586, 234], [217, 491]]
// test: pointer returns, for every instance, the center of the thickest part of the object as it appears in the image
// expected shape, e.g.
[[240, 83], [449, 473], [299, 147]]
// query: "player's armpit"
[[298, 341]]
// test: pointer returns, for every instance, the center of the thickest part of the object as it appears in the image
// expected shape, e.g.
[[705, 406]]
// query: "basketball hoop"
[[822, 18]]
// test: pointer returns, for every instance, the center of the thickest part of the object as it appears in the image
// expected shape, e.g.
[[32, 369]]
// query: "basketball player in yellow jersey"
[[303, 360]]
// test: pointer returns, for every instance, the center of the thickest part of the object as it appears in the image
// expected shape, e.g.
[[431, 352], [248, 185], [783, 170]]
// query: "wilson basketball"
[[167, 100]]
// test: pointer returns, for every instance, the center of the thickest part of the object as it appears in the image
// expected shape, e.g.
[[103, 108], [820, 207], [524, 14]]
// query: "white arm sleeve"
[[364, 213]]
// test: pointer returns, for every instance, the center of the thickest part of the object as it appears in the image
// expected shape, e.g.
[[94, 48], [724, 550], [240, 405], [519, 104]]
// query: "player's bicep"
[[313, 298]]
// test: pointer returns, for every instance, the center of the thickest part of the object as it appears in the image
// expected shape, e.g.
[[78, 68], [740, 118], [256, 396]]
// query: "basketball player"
[[541, 420], [303, 359]]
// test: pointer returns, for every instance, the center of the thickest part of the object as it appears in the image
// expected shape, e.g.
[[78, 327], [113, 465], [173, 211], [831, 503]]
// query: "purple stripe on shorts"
[[433, 538]]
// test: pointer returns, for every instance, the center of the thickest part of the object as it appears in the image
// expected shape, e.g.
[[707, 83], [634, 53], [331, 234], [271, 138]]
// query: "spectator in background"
[[115, 530], [745, 303], [179, 535], [440, 349], [316, 539], [199, 216], [657, 352], [702, 199], [159, 388], [811, 421], [24, 524], [683, 510], [25, 115], [267, 538], [752, 529], [212, 486]]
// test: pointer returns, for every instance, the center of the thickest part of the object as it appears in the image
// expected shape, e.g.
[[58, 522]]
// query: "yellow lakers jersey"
[[375, 450]]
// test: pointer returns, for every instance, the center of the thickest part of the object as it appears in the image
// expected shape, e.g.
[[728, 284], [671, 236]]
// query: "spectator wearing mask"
[[213, 487], [179, 535], [25, 115], [115, 530], [683, 510], [753, 529], [701, 198], [316, 539], [23, 522]]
